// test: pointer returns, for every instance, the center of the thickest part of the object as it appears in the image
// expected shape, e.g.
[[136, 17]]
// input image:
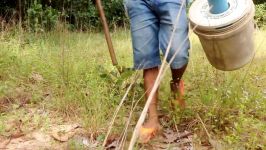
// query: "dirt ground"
[[24, 132]]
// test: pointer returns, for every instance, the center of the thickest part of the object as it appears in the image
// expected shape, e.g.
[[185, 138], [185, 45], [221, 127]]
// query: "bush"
[[41, 18], [259, 1], [80, 14], [83, 14], [115, 13], [260, 15]]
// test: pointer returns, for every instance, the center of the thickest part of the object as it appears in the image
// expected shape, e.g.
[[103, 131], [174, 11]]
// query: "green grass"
[[75, 68]]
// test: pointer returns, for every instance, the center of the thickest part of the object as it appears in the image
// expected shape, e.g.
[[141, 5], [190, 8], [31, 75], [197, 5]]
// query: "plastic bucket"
[[231, 47]]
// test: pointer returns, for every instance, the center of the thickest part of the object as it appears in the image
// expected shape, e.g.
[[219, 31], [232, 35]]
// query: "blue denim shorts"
[[152, 23]]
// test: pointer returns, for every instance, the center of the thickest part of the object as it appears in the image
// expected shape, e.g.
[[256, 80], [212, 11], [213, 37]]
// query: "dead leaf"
[[184, 134], [114, 144], [66, 128], [64, 132], [171, 136], [112, 141], [17, 134], [63, 137]]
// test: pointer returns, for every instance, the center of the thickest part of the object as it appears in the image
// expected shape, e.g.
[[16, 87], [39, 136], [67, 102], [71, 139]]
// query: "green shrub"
[[83, 14], [115, 12], [50, 18], [259, 1], [41, 18], [42, 15], [260, 15]]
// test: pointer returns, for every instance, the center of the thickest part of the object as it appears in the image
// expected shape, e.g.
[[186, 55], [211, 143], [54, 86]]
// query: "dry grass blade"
[[214, 143], [128, 121], [118, 108], [123, 135], [204, 127]]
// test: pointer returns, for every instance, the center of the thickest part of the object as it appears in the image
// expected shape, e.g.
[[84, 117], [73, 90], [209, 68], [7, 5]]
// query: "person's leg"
[[178, 73], [150, 76], [178, 53], [144, 32], [177, 85]]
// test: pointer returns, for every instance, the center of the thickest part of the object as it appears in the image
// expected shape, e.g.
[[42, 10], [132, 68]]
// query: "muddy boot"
[[177, 93]]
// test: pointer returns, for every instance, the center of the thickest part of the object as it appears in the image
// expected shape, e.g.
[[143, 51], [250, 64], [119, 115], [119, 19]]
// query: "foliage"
[[41, 18], [7, 8], [260, 15], [83, 14], [115, 12], [79, 14], [259, 1]]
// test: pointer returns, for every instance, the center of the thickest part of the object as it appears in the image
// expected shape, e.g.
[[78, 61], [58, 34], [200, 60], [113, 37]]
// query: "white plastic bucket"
[[231, 46]]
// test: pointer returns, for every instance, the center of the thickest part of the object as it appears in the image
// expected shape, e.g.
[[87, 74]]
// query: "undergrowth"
[[71, 73]]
